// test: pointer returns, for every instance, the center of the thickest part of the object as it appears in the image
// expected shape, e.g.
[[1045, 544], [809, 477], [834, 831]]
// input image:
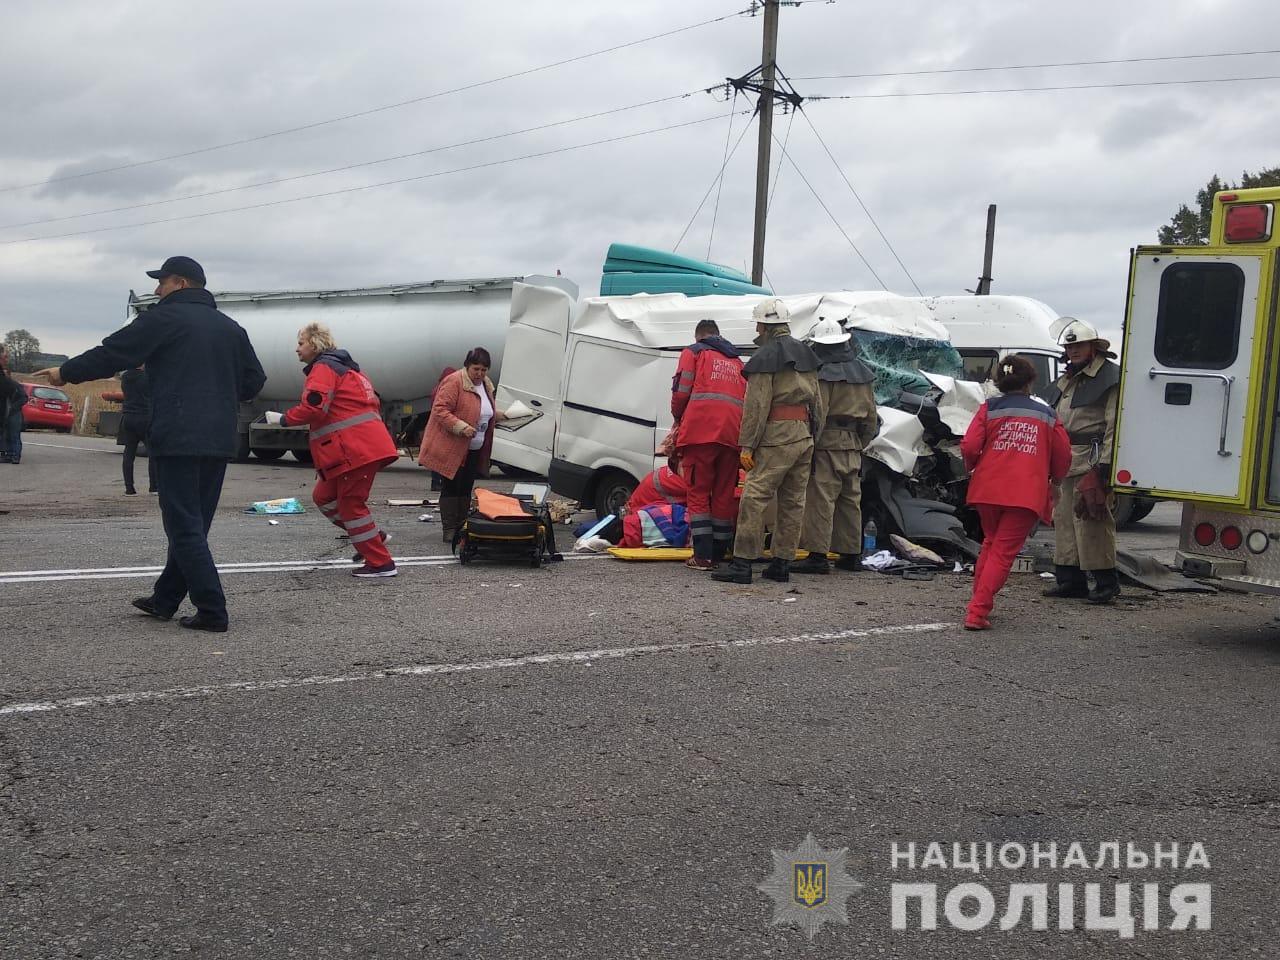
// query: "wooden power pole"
[[984, 281], [768, 64]]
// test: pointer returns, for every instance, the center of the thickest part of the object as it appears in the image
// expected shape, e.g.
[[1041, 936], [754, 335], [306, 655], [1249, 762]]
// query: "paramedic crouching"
[[1084, 521]]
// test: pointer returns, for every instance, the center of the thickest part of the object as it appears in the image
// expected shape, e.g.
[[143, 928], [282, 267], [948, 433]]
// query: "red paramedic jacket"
[[345, 416], [707, 393], [1014, 446], [660, 486]]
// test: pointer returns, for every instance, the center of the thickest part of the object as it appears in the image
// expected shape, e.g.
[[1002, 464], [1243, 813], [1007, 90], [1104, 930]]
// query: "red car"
[[47, 407]]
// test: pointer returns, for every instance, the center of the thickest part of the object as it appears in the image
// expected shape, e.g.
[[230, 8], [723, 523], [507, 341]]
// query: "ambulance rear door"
[[1194, 339]]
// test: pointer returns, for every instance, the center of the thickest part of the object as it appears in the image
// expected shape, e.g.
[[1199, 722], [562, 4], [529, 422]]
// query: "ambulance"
[[1199, 418]]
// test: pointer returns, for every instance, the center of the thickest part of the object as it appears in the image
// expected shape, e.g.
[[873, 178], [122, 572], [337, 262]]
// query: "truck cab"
[[1198, 392]]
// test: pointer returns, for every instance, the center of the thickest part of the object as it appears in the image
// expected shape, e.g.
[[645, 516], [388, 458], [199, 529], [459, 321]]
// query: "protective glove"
[[748, 460], [273, 417], [1091, 497]]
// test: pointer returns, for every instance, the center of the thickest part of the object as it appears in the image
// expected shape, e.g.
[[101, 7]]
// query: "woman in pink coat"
[[459, 436], [1014, 447]]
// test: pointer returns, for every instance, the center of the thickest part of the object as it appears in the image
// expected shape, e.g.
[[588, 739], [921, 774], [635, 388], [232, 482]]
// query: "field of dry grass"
[[83, 394]]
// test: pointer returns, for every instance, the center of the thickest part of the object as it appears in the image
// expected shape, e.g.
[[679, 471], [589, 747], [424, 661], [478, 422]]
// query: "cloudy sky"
[[1079, 175]]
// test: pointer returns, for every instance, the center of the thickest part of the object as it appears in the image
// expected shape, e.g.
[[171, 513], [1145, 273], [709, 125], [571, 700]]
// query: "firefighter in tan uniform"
[[1084, 518], [781, 415], [833, 502]]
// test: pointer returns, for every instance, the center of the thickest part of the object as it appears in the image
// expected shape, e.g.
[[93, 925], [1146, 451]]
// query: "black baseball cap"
[[179, 267]]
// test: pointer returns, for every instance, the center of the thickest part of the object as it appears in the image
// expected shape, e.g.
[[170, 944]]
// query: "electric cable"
[[1082, 86], [349, 166], [778, 173], [379, 109], [840, 169], [712, 186], [1038, 66], [715, 211], [790, 159], [368, 186]]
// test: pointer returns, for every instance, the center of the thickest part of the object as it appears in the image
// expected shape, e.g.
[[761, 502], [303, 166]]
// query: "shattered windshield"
[[897, 362]]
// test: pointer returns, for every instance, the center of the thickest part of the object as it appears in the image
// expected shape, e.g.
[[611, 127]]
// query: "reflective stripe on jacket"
[[706, 397], [1014, 446], [345, 417]]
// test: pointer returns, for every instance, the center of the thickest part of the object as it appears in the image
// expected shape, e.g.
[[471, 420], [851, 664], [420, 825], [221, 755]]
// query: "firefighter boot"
[[814, 563], [453, 511], [1071, 583], [851, 562], [737, 572], [1106, 586], [779, 570]]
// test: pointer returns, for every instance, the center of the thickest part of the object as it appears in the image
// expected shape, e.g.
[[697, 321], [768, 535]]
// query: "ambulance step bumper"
[[1245, 584], [1201, 565]]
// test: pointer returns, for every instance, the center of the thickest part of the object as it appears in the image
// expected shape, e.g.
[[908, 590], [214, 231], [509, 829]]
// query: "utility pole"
[[984, 281], [768, 64]]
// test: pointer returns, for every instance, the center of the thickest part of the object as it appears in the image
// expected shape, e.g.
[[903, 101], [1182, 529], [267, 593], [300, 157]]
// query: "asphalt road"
[[594, 759]]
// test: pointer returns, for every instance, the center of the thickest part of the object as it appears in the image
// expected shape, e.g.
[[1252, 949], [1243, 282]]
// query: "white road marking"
[[436, 669], [260, 566], [67, 446]]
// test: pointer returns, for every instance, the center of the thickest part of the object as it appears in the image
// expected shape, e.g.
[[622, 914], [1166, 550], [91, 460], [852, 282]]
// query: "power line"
[[840, 169], [383, 108], [1039, 66], [350, 166], [1083, 86], [370, 186], [715, 211], [712, 186], [790, 159]]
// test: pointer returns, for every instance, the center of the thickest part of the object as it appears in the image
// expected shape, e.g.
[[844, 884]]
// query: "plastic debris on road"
[[282, 505], [880, 560], [592, 545], [425, 517], [913, 551]]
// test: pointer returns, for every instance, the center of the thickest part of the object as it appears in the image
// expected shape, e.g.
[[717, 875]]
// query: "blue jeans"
[[189, 492], [12, 449]]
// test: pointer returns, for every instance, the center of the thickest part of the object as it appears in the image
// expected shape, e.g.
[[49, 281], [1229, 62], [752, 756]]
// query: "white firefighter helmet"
[[771, 311], [827, 330], [1068, 330]]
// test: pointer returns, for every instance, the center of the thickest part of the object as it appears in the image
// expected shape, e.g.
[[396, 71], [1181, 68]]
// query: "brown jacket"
[[455, 407], [1094, 420], [767, 390], [852, 421]]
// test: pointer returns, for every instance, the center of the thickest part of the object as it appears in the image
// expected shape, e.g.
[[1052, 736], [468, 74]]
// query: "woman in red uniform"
[[1014, 447], [349, 443]]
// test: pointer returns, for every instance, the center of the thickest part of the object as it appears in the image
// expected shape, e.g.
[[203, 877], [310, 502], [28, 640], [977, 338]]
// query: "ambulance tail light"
[[1205, 534], [1231, 538], [1248, 223]]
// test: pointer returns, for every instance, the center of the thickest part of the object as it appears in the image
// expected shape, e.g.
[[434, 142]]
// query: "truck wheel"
[[613, 490], [268, 453], [1141, 507], [302, 456], [1124, 512]]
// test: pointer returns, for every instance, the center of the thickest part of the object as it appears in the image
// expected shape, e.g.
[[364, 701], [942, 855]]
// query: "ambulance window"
[[978, 365], [1198, 319]]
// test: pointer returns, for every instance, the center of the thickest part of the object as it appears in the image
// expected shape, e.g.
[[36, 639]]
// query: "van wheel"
[[267, 453], [302, 456], [613, 490]]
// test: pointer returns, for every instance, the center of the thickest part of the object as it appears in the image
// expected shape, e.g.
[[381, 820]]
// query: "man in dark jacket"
[[201, 366], [13, 396]]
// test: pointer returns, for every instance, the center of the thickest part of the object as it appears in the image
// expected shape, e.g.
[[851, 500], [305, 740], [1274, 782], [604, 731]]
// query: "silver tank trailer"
[[402, 337]]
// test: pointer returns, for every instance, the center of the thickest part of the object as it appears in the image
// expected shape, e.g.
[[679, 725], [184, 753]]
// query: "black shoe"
[[148, 606], [777, 570], [130, 492], [813, 563], [1106, 586], [850, 562], [737, 572], [152, 490], [1071, 584], [204, 621]]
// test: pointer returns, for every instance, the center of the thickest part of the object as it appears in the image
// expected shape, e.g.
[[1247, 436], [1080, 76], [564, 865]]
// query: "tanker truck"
[[402, 337]]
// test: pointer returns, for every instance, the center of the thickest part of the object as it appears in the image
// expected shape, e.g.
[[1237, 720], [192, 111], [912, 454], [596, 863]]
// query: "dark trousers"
[[460, 484], [189, 491], [11, 433], [133, 430]]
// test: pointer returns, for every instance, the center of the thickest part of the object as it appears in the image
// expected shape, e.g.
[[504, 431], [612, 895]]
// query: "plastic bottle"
[[869, 538]]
